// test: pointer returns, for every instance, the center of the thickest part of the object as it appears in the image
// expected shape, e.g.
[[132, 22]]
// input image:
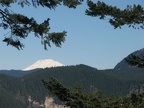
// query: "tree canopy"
[[133, 16], [20, 26], [78, 99]]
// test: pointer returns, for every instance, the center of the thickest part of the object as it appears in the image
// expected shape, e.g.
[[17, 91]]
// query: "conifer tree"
[[20, 26], [79, 99]]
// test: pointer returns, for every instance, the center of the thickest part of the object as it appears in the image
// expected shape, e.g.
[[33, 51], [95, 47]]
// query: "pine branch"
[[132, 16]]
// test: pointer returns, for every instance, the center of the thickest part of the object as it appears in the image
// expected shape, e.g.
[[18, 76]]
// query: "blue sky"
[[89, 40]]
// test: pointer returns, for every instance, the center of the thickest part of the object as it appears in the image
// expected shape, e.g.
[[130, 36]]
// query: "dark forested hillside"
[[9, 92], [8, 100], [111, 82], [31, 85], [17, 73], [89, 78]]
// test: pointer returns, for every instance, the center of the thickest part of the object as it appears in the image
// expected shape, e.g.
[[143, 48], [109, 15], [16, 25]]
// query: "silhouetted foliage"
[[132, 16], [20, 25]]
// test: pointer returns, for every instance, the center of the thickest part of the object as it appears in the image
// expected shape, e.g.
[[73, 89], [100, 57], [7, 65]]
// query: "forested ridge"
[[110, 81]]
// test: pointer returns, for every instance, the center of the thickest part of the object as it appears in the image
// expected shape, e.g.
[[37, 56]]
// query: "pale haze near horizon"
[[89, 40]]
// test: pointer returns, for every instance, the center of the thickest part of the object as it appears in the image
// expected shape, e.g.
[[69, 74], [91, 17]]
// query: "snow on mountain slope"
[[43, 64]]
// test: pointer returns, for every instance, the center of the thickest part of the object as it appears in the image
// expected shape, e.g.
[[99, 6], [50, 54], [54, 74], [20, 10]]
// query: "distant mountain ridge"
[[46, 63], [17, 73], [110, 81], [118, 81], [122, 65]]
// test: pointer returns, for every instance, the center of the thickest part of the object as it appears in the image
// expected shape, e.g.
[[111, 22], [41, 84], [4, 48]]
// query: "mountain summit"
[[124, 65], [47, 63]]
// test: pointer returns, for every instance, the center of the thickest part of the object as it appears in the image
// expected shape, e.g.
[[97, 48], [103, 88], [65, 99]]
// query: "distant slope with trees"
[[117, 82], [111, 82]]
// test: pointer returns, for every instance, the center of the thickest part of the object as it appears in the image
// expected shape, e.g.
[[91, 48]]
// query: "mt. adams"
[[47, 63]]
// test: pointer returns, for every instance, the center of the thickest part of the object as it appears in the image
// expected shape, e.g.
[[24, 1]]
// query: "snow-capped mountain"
[[47, 63]]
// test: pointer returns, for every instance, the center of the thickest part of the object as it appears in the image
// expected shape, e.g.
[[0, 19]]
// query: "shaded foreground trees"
[[78, 99]]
